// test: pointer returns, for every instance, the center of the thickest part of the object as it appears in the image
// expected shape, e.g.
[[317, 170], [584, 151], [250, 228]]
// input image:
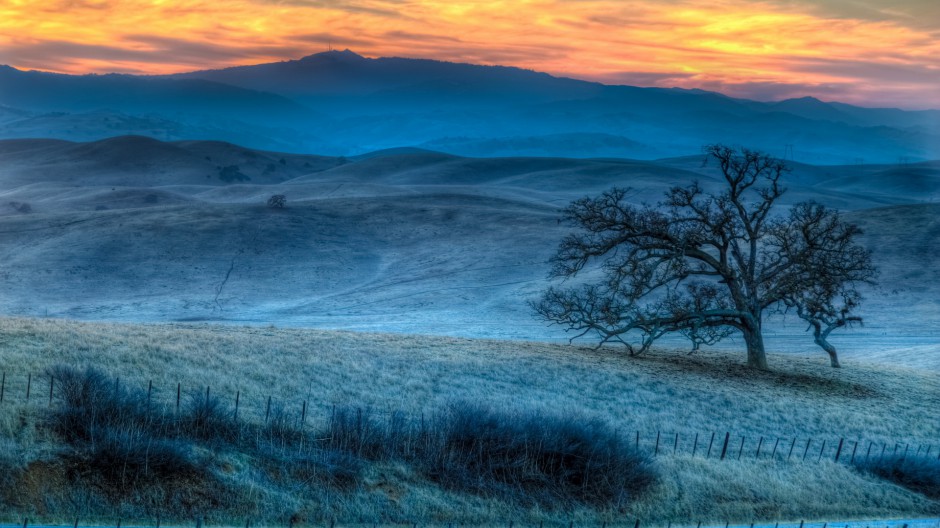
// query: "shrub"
[[918, 474], [112, 434], [534, 457], [92, 403], [126, 458], [524, 457], [277, 201], [206, 419]]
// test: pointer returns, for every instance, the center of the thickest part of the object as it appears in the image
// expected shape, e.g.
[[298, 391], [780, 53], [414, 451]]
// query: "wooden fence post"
[[237, 395], [179, 387], [759, 444], [267, 410], [637, 440], [854, 448], [29, 383], [51, 386], [741, 449], [656, 452], [710, 442], [821, 449], [695, 445], [807, 448], [675, 446], [3, 385], [792, 445], [870, 445], [773, 455], [839, 450], [724, 448]]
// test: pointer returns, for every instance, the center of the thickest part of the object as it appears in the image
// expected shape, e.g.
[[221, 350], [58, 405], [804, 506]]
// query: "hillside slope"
[[666, 393]]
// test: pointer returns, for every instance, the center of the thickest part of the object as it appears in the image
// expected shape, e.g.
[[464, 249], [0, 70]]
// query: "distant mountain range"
[[340, 103]]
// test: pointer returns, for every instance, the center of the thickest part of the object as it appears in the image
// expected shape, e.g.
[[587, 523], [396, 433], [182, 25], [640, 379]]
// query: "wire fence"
[[41, 390]]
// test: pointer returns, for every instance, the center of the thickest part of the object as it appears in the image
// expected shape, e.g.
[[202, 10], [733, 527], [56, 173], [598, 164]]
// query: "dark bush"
[[206, 419], [548, 459], [127, 458], [277, 201], [357, 432], [525, 457], [918, 474], [92, 403], [112, 433]]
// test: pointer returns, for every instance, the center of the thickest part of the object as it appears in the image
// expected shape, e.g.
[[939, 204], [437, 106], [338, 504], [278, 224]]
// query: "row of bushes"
[[528, 458], [523, 457]]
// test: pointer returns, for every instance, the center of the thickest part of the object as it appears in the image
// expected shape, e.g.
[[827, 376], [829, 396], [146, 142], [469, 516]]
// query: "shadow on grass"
[[918, 474]]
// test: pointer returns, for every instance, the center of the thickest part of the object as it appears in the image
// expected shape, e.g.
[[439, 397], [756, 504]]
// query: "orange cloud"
[[739, 46]]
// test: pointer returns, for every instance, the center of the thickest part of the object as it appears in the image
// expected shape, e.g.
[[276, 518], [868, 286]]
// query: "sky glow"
[[856, 51]]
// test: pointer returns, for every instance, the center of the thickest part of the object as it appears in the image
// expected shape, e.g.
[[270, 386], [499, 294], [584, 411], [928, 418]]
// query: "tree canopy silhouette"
[[707, 265]]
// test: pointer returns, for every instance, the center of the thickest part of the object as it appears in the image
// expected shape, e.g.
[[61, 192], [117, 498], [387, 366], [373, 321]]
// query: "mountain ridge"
[[342, 103]]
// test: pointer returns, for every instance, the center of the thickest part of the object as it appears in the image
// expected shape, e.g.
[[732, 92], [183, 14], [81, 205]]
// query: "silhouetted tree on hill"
[[707, 265]]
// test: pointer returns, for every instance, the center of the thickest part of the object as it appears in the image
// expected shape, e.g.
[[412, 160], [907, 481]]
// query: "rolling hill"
[[134, 229]]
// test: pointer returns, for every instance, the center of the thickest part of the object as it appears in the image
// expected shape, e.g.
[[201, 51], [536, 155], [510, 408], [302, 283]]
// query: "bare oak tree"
[[707, 265]]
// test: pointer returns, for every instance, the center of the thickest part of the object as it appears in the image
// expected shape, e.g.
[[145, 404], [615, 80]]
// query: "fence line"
[[750, 447]]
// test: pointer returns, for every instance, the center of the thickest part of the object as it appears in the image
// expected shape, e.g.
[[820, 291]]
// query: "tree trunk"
[[820, 338], [756, 357]]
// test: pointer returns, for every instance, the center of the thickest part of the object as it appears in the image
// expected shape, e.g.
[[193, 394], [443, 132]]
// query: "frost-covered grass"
[[666, 391]]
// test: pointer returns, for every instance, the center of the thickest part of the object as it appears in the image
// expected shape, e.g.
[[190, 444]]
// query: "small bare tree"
[[707, 265]]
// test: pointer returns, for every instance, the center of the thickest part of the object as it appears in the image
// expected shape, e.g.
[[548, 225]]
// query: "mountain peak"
[[336, 55]]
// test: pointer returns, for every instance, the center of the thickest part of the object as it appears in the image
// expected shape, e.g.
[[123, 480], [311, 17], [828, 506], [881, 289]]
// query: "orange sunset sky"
[[869, 52]]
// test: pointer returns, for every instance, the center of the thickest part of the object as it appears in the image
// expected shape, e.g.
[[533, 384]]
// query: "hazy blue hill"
[[339, 75], [102, 124], [341, 103], [138, 161], [573, 145], [41, 91]]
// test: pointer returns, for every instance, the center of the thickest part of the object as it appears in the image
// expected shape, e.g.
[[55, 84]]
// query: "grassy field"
[[666, 391]]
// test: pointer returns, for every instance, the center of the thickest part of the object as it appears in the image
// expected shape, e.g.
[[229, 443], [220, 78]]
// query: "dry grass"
[[666, 391]]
